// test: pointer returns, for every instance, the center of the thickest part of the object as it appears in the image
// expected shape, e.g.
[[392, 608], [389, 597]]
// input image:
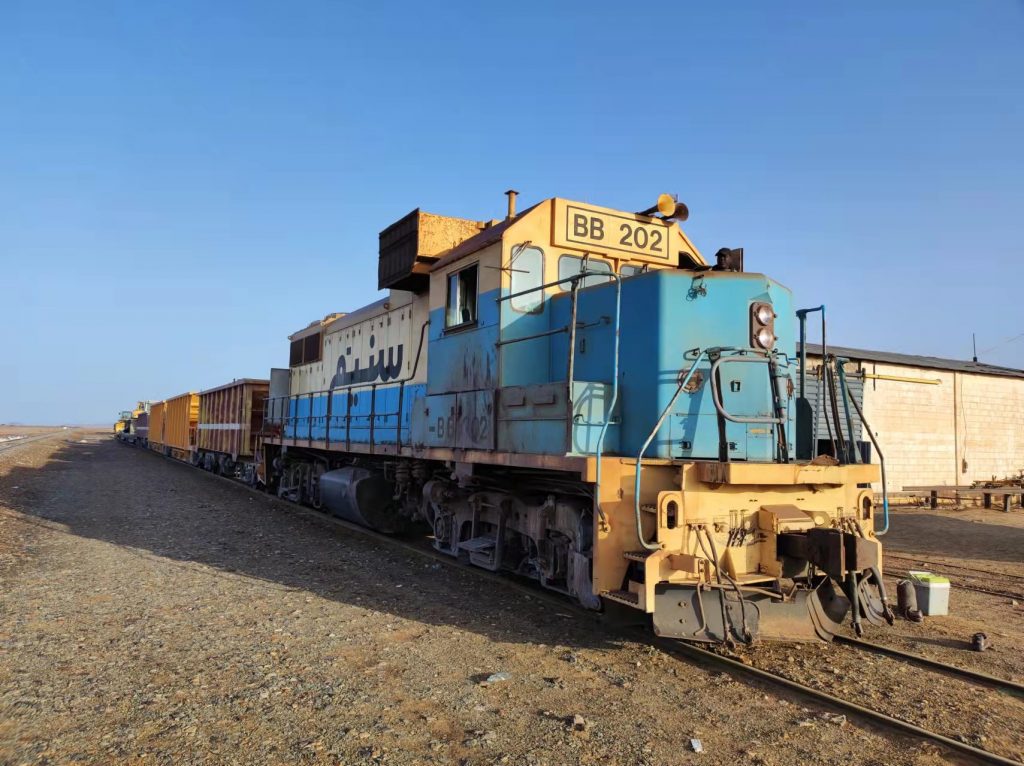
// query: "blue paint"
[[464, 359], [666, 315], [353, 412], [525, 361], [666, 318]]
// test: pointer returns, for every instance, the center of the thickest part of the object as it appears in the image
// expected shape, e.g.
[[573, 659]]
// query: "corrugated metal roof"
[[911, 360]]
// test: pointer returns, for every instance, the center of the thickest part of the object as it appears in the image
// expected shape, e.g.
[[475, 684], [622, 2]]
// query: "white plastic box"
[[932, 593]]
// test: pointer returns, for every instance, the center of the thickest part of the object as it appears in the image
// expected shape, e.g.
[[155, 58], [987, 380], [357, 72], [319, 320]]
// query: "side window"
[[461, 302], [527, 274], [573, 264]]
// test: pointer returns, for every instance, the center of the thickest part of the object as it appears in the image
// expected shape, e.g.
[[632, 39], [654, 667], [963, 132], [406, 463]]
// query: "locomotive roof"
[[392, 301]]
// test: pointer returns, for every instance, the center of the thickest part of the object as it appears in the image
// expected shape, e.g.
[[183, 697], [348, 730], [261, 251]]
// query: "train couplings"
[[827, 574]]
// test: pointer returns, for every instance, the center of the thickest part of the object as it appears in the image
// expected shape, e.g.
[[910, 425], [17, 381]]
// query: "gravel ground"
[[150, 613]]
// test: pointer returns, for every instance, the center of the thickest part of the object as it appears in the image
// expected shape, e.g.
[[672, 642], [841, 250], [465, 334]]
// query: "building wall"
[[944, 427], [990, 426], [913, 422]]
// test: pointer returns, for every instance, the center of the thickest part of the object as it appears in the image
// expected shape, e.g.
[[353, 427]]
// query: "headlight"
[[762, 326], [764, 314], [765, 338]]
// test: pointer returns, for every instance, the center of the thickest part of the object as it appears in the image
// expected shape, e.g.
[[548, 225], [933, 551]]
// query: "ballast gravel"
[[152, 614]]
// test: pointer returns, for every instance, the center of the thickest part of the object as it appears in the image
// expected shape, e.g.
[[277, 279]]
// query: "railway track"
[[15, 443], [974, 676], [696, 653], [963, 576], [970, 571], [735, 667]]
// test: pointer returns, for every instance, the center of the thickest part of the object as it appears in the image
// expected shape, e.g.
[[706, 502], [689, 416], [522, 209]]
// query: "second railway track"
[[13, 444]]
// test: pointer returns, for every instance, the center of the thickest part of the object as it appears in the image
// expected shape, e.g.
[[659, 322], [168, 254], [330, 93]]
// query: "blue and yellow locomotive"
[[576, 395]]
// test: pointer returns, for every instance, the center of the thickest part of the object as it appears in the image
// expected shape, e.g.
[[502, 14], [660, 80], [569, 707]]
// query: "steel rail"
[[980, 572], [14, 443], [965, 586], [703, 655], [669, 646], [953, 670]]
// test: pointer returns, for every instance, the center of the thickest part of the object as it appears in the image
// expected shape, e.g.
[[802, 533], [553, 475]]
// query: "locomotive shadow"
[[156, 506]]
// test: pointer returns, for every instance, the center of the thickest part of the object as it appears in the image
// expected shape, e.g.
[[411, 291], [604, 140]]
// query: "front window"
[[573, 264], [461, 302], [631, 270], [527, 267]]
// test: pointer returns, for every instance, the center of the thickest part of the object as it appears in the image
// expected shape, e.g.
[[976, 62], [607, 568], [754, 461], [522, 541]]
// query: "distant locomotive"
[[576, 395]]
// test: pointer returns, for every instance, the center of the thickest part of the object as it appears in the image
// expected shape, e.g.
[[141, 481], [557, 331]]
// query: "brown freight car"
[[230, 419], [155, 436], [181, 417]]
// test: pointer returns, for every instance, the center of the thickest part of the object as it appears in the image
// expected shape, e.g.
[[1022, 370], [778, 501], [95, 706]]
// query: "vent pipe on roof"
[[511, 194]]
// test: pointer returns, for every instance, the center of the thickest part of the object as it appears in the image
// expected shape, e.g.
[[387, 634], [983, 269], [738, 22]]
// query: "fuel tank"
[[363, 497]]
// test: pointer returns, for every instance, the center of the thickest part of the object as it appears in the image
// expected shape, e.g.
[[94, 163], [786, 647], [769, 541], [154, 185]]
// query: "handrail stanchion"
[[881, 463], [583, 273], [614, 401], [647, 443], [844, 392]]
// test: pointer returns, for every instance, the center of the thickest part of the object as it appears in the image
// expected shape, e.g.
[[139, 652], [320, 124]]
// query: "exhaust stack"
[[511, 194]]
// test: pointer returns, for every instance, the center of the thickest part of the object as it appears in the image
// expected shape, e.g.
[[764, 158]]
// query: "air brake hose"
[[727, 627], [743, 603]]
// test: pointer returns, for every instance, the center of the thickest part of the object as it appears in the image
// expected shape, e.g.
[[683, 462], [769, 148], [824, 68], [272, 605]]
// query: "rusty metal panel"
[[475, 414], [231, 415], [413, 243]]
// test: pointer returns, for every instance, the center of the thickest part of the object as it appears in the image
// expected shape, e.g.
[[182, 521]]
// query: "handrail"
[[575, 279], [615, 397], [881, 463], [373, 385], [639, 458], [844, 392], [556, 331], [717, 398], [577, 276]]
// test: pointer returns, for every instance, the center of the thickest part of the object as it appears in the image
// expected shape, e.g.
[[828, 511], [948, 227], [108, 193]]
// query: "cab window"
[[573, 264], [527, 268], [460, 309], [629, 270]]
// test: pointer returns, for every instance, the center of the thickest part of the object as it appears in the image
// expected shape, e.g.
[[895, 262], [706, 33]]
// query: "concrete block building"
[[938, 421]]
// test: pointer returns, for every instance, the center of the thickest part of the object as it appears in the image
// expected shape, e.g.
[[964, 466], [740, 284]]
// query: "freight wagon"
[[229, 422], [140, 423], [155, 438], [180, 421]]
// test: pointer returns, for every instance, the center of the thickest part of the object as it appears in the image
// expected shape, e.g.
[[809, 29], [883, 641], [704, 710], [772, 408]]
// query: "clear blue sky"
[[184, 184]]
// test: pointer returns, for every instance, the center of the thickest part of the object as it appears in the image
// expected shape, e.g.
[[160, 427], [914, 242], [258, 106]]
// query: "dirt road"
[[150, 613]]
